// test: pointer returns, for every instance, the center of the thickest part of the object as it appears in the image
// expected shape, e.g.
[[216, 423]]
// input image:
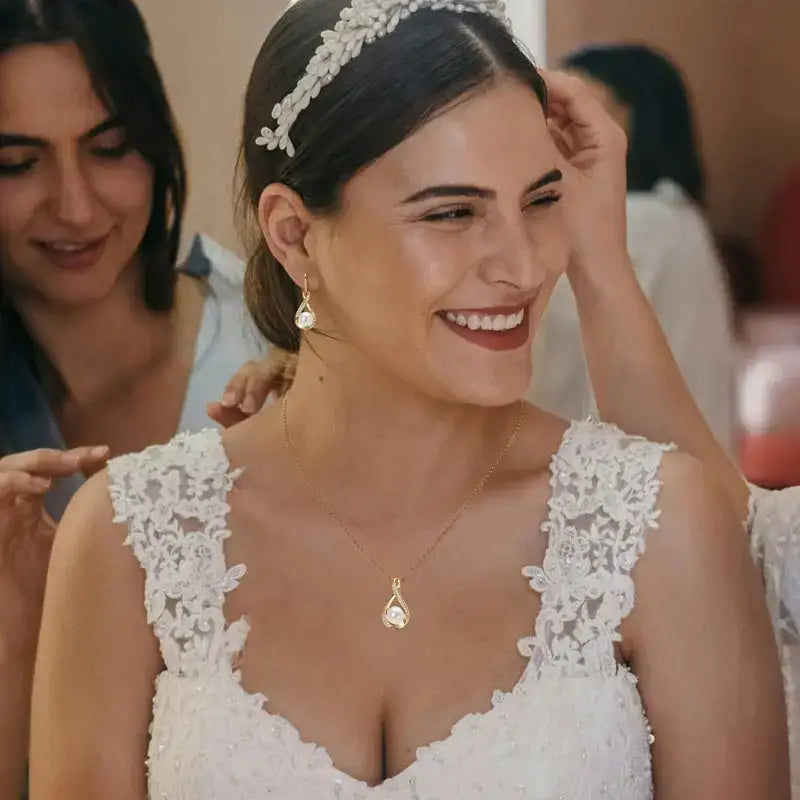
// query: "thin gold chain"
[[439, 536]]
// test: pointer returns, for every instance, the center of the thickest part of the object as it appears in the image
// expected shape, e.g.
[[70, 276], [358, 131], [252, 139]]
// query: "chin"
[[483, 368], [493, 392], [74, 291]]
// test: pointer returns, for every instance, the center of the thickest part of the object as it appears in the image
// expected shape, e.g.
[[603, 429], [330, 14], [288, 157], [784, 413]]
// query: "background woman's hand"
[[249, 388], [26, 536], [594, 147]]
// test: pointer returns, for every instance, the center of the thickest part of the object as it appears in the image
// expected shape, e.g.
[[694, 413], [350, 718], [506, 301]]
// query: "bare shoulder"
[[699, 531], [692, 495], [700, 548], [87, 531], [90, 562], [96, 662], [700, 641]]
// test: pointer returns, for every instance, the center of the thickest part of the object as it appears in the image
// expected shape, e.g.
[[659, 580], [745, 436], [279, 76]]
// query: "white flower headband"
[[360, 23]]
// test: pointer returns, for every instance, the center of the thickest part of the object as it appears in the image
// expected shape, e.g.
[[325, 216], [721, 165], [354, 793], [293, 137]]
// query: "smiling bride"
[[403, 581]]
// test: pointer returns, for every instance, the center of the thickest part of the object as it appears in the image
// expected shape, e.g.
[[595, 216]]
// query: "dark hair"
[[391, 89], [113, 40], [661, 140]]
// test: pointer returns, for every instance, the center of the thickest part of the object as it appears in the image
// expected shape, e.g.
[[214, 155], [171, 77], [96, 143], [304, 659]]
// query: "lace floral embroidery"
[[774, 528], [174, 500], [573, 727], [604, 492]]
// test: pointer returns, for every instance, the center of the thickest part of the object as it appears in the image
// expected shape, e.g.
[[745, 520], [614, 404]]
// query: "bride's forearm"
[[637, 384]]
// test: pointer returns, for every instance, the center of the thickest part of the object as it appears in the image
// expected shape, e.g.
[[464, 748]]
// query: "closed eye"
[[546, 200], [17, 168], [448, 215], [113, 153], [460, 213]]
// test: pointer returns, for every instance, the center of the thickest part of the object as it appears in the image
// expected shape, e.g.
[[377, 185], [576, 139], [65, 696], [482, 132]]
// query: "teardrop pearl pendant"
[[396, 614], [305, 318]]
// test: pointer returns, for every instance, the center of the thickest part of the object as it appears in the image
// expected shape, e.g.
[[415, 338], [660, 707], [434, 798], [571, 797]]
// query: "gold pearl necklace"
[[396, 613]]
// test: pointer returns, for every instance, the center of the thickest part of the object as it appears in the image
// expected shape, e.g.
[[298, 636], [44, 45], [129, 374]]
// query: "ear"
[[284, 221]]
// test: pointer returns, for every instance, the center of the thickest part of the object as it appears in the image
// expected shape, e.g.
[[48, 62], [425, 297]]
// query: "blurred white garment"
[[679, 269]]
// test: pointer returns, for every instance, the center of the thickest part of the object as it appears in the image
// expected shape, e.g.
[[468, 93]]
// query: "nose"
[[516, 255], [72, 197]]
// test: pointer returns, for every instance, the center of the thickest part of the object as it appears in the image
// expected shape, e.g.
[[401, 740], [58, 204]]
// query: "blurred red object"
[[771, 460], [781, 247], [769, 399]]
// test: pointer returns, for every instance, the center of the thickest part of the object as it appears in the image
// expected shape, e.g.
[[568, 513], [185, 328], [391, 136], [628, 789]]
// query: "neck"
[[97, 348], [412, 450]]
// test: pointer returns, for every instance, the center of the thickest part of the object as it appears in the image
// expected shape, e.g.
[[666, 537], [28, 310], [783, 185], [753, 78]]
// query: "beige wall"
[[742, 62], [205, 49]]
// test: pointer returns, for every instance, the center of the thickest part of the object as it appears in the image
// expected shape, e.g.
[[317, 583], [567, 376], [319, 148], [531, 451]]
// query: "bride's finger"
[[570, 93], [561, 139], [569, 98], [559, 115]]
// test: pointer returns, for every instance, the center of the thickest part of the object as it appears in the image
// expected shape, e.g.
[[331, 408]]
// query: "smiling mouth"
[[71, 246], [72, 254], [491, 328], [486, 322]]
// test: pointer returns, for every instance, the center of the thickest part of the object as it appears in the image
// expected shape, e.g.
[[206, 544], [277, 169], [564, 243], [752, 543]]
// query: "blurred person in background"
[[107, 344], [669, 241]]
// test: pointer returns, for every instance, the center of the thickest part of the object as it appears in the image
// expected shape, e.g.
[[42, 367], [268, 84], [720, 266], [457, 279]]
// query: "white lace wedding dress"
[[573, 727], [774, 528]]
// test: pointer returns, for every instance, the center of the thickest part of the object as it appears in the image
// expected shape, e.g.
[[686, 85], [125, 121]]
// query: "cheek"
[[19, 204], [19, 200], [415, 270], [553, 245], [126, 189], [392, 269], [423, 267]]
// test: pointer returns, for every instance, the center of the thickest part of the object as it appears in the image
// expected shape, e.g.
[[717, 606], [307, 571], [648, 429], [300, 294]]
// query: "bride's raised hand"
[[594, 149]]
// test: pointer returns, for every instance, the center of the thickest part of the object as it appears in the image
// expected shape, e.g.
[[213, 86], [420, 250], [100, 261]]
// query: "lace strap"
[[173, 498], [605, 489]]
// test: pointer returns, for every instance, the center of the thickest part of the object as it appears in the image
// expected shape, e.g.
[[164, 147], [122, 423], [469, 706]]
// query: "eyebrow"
[[456, 190], [20, 140]]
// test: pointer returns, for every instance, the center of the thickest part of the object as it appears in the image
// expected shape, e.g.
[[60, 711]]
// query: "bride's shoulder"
[[688, 501], [203, 448], [582, 444], [135, 485], [698, 552], [87, 549], [690, 491], [691, 505]]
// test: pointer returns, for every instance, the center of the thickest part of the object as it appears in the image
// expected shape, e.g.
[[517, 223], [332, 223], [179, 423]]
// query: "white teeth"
[[67, 247], [487, 322]]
